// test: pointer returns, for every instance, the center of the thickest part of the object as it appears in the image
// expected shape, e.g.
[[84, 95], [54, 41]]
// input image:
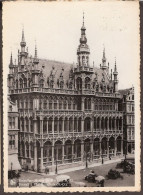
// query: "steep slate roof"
[[47, 66]]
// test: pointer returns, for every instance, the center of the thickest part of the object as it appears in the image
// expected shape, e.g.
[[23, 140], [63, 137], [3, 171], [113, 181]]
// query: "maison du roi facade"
[[66, 113]]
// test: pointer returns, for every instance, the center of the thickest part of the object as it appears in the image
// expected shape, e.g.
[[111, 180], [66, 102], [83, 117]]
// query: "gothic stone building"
[[66, 113]]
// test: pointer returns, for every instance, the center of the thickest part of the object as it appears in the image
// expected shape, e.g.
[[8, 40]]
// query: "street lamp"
[[11, 169]]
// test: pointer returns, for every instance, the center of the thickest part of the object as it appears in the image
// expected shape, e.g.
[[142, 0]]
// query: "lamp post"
[[11, 169]]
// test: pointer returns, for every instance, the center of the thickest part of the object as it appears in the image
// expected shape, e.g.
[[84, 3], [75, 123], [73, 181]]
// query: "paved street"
[[128, 179]]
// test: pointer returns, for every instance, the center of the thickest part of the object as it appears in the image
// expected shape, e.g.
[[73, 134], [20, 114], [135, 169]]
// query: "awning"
[[13, 163]]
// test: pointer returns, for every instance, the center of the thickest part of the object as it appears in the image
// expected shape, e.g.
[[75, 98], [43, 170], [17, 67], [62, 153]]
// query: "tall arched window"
[[21, 83], [79, 83], [16, 84], [25, 82], [87, 83]]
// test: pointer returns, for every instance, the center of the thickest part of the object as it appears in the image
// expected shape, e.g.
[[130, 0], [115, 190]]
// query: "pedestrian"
[[102, 160]]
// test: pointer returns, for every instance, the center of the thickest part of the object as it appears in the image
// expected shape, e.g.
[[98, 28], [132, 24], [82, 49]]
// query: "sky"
[[56, 28]]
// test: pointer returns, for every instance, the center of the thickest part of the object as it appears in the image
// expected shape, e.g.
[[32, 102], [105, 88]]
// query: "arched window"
[[16, 84], [87, 83], [55, 104], [79, 83], [87, 60], [60, 104], [25, 82], [45, 104]]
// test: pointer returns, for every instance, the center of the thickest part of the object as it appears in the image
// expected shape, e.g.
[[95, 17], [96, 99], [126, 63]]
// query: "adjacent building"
[[129, 119], [13, 162], [66, 112]]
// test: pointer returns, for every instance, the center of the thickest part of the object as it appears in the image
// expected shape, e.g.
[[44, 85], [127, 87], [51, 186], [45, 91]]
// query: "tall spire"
[[23, 43], [23, 38], [36, 61], [83, 18], [115, 69], [35, 50]]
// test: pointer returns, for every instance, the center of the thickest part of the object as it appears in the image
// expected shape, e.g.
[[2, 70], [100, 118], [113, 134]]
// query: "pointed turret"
[[103, 66], [23, 43], [115, 73], [36, 60], [11, 60]]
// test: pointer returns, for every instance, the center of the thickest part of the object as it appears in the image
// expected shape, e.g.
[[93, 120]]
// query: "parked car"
[[113, 174], [63, 181], [91, 177]]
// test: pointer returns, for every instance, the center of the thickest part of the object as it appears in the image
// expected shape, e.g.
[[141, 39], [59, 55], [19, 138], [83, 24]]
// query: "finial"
[[111, 74], [23, 38], [115, 65], [35, 49], [103, 51], [83, 18]]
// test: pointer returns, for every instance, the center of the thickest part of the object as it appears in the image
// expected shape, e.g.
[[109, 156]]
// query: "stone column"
[[82, 150], [73, 124], [41, 167], [72, 151], [108, 124], [29, 150], [91, 149], [58, 126], [82, 104], [53, 126], [107, 148], [95, 125], [115, 147], [63, 153], [67, 130], [82, 126], [91, 125], [115, 128], [100, 152], [47, 126], [122, 147], [29, 127], [63, 125], [99, 124], [77, 124], [52, 155], [35, 156]]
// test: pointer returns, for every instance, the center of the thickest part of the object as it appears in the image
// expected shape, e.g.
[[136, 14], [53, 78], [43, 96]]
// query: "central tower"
[[83, 49]]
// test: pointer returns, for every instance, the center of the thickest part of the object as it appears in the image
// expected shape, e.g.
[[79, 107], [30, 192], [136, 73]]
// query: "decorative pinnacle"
[[115, 66], [35, 49], [23, 38], [83, 18], [11, 60]]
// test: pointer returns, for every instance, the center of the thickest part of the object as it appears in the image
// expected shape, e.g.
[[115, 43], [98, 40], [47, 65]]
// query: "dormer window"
[[61, 85]]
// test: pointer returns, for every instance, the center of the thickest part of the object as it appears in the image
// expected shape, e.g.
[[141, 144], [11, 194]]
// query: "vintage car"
[[129, 168], [63, 181], [91, 177], [113, 174]]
